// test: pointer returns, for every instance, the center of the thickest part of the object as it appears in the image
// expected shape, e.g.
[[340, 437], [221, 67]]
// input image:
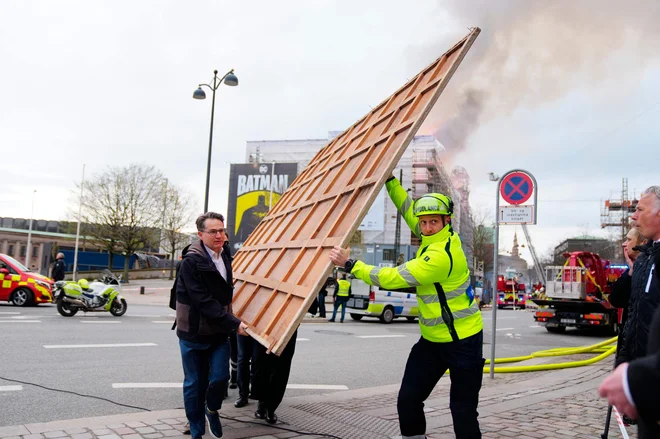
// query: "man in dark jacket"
[[331, 282], [633, 388], [204, 321], [59, 268]]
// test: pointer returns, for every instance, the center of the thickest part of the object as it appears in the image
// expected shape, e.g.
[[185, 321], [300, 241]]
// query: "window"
[[35, 251], [10, 250], [389, 255], [22, 255]]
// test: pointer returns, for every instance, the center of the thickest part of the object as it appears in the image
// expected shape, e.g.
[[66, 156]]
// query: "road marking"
[[536, 326], [100, 321], [145, 315], [514, 336], [302, 339], [499, 318], [162, 321], [9, 312], [146, 289], [504, 329], [381, 336], [110, 345], [22, 317], [316, 387], [146, 385], [20, 321], [10, 388]]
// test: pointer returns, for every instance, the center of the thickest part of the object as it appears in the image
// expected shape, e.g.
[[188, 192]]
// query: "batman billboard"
[[252, 189]]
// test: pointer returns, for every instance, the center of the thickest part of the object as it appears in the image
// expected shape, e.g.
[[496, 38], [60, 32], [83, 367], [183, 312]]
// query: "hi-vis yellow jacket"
[[344, 288], [448, 311]]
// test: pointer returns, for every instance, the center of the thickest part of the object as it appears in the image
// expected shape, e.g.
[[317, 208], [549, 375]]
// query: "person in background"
[[634, 386], [59, 268], [621, 289], [246, 367], [342, 293], [271, 377], [330, 282]]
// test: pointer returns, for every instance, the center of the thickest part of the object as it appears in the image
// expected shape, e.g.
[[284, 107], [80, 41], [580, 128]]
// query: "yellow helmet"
[[83, 284], [433, 204]]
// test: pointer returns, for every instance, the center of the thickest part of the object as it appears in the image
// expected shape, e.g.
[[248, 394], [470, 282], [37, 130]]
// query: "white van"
[[370, 301]]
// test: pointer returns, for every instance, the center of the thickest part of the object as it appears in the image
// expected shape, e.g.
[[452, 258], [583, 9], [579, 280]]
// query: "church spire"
[[514, 251]]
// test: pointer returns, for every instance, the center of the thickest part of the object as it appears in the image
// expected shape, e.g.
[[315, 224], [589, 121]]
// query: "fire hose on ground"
[[603, 349]]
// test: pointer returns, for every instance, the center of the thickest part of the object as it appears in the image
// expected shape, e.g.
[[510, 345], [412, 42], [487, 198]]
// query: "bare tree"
[[176, 216], [480, 242], [122, 206], [103, 213]]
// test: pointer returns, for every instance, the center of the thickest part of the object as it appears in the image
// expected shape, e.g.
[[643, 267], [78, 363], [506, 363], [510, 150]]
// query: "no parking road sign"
[[516, 187]]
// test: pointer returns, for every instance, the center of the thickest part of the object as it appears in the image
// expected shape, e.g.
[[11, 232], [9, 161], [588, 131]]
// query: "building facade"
[[606, 249], [420, 170]]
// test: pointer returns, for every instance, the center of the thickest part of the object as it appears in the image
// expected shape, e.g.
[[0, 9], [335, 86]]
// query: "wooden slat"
[[282, 265]]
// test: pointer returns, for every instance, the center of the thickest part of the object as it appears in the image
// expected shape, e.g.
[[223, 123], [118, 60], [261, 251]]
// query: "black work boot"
[[261, 411], [241, 402]]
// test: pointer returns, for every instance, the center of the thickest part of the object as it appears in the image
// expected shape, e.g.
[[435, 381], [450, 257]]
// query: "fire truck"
[[576, 294], [510, 292]]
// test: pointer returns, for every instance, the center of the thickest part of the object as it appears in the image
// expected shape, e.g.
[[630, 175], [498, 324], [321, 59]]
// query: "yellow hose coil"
[[604, 349]]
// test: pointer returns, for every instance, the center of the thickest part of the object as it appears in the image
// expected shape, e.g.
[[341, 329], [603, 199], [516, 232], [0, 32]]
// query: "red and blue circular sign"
[[516, 188]]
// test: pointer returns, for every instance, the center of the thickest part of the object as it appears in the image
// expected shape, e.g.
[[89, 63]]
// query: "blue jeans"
[[339, 301], [206, 373]]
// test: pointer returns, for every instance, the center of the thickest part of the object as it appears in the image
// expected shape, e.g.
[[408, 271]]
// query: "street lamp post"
[[28, 250], [231, 80]]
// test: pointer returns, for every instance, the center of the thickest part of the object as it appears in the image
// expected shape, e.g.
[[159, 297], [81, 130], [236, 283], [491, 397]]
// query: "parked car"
[[21, 286], [370, 301]]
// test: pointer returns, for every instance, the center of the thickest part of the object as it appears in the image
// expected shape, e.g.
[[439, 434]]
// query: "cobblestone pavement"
[[552, 404]]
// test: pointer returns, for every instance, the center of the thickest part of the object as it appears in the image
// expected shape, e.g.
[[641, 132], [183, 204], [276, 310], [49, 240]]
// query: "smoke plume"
[[533, 52]]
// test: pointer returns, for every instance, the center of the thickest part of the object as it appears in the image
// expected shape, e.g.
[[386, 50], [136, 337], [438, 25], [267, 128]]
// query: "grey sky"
[[574, 99]]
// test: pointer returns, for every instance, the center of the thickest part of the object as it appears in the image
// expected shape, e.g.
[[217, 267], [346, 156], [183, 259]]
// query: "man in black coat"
[[59, 268], [634, 388], [204, 321]]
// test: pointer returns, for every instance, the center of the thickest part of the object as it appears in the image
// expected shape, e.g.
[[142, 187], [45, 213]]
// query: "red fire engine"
[[576, 294], [510, 292]]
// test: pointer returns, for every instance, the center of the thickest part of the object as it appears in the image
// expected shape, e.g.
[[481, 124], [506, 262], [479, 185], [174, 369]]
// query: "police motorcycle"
[[98, 296]]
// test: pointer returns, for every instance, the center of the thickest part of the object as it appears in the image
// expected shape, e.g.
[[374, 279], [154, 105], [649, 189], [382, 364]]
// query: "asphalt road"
[[334, 356]]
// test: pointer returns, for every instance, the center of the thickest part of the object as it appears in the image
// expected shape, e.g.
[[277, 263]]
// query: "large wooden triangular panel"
[[282, 265]]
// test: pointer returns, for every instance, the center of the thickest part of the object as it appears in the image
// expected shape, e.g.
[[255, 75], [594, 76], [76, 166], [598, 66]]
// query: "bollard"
[[142, 290]]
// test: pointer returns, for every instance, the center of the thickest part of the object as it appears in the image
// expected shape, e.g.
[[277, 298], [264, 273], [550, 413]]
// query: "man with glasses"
[[204, 321]]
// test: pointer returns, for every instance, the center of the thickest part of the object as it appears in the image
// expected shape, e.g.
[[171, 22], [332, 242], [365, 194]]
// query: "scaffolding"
[[616, 212], [429, 175]]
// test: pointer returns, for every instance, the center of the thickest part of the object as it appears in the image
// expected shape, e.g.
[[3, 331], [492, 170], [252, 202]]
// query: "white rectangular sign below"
[[516, 215]]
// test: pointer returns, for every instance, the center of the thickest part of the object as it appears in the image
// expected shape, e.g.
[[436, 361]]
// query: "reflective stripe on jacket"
[[448, 311], [344, 288]]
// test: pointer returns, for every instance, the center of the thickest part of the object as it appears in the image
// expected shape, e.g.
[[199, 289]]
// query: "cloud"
[[564, 89]]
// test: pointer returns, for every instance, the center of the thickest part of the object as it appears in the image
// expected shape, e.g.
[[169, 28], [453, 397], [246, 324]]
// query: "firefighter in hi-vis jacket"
[[449, 317]]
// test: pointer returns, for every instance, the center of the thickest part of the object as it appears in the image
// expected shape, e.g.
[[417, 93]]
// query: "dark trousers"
[[426, 364], [339, 301], [272, 374], [233, 358], [322, 305], [247, 347], [206, 372]]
